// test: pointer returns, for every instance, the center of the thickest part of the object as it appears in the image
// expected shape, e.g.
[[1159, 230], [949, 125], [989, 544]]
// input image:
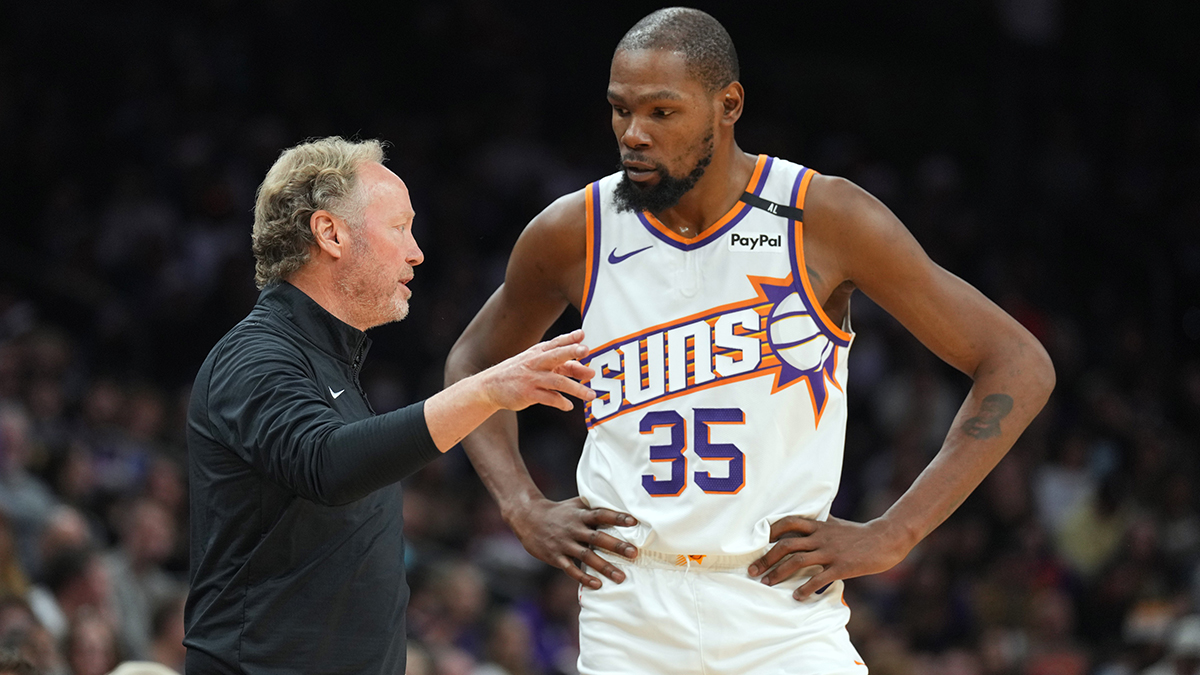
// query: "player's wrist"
[[518, 507], [898, 535]]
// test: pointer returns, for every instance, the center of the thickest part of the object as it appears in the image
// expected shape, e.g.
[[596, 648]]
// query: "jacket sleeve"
[[266, 407]]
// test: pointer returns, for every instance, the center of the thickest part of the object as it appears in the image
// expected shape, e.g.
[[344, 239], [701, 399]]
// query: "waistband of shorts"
[[692, 562]]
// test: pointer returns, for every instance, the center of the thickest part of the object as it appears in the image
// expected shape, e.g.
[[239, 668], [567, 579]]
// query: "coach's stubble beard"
[[373, 297]]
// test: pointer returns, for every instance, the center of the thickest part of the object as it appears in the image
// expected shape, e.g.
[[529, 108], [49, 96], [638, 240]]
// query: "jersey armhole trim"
[[799, 269], [592, 255]]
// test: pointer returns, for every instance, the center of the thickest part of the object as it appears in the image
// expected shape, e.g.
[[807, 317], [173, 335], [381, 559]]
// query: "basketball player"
[[717, 285]]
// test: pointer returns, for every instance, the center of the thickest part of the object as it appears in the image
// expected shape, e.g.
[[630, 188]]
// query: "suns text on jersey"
[[778, 332]]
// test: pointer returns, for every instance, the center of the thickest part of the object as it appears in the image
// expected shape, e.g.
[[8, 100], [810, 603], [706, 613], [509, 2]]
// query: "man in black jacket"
[[296, 528]]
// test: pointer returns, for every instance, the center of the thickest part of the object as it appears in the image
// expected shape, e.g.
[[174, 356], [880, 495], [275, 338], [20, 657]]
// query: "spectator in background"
[[67, 530], [1183, 655], [166, 629], [24, 499], [140, 585], [13, 580], [508, 647], [91, 645], [77, 581], [12, 663], [447, 610], [21, 633]]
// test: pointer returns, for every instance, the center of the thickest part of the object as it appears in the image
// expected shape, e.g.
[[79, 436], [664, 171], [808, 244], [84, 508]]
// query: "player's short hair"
[[317, 174], [705, 45]]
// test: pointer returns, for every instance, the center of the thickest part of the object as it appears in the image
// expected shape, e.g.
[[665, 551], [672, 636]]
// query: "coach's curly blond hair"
[[315, 175]]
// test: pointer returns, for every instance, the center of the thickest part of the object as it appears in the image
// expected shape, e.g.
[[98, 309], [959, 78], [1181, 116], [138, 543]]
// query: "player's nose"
[[635, 135]]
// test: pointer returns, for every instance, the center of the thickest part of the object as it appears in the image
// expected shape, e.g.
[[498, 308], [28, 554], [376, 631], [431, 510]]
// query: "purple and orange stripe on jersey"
[[762, 168], [592, 256], [799, 269]]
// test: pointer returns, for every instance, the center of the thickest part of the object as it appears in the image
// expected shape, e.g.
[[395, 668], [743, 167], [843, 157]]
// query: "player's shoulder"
[[558, 231], [838, 209], [835, 196], [567, 212]]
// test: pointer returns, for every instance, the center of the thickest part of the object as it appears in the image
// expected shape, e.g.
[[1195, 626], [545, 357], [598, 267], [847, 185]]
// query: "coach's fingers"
[[576, 371], [573, 337], [568, 386], [552, 359], [552, 399]]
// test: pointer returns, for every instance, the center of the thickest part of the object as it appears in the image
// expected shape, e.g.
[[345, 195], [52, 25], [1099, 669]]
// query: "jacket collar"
[[323, 329]]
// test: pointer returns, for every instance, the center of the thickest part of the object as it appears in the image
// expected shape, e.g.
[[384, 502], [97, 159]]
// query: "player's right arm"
[[545, 274]]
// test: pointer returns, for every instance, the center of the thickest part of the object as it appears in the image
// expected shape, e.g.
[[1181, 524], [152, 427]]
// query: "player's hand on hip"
[[542, 374], [565, 533], [841, 548]]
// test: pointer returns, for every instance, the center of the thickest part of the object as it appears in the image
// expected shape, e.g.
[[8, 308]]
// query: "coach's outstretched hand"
[[561, 533], [540, 374], [842, 548]]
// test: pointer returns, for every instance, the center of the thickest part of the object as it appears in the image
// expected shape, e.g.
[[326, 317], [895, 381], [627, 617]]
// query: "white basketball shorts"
[[703, 615]]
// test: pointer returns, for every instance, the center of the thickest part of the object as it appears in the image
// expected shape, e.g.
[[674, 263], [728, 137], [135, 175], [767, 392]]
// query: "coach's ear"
[[329, 232]]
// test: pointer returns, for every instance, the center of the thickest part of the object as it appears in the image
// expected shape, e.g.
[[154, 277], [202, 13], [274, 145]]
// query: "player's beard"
[[374, 298], [662, 195]]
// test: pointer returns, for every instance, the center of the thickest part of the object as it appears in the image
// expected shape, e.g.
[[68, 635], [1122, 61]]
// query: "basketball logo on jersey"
[[775, 333]]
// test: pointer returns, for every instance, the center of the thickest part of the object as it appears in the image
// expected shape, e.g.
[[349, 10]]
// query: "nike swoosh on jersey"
[[335, 394], [613, 258]]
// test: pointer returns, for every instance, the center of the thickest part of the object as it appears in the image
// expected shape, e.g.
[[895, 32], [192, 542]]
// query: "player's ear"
[[327, 230], [732, 97]]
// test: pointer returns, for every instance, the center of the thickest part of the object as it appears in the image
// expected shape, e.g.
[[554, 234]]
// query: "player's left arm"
[[861, 241]]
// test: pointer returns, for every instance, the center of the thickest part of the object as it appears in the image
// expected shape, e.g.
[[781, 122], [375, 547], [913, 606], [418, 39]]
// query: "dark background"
[[1048, 151]]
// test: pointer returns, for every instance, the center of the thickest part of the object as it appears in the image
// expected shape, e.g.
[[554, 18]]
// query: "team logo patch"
[[755, 241]]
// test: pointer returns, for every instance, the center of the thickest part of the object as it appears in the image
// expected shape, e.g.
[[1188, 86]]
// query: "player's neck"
[[714, 194]]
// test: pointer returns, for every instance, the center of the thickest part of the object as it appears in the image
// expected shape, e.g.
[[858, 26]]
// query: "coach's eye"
[[662, 112], [620, 111]]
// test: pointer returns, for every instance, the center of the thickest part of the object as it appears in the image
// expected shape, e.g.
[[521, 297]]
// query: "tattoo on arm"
[[986, 423]]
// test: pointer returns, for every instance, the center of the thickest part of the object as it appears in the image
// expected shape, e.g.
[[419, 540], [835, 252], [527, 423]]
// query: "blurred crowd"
[[1047, 151]]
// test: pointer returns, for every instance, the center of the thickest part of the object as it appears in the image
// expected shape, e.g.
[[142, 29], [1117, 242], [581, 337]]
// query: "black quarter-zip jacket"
[[297, 550]]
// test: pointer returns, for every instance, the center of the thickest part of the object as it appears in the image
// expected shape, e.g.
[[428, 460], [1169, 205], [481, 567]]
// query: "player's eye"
[[663, 112], [620, 111]]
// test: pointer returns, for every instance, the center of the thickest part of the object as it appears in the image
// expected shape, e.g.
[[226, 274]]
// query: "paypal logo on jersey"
[[753, 241], [776, 333]]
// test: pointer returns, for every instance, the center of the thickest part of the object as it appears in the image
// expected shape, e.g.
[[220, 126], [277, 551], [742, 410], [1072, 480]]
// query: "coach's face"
[[663, 118], [382, 253]]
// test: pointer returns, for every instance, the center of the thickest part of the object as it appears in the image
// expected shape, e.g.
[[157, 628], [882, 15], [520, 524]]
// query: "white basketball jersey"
[[721, 382]]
